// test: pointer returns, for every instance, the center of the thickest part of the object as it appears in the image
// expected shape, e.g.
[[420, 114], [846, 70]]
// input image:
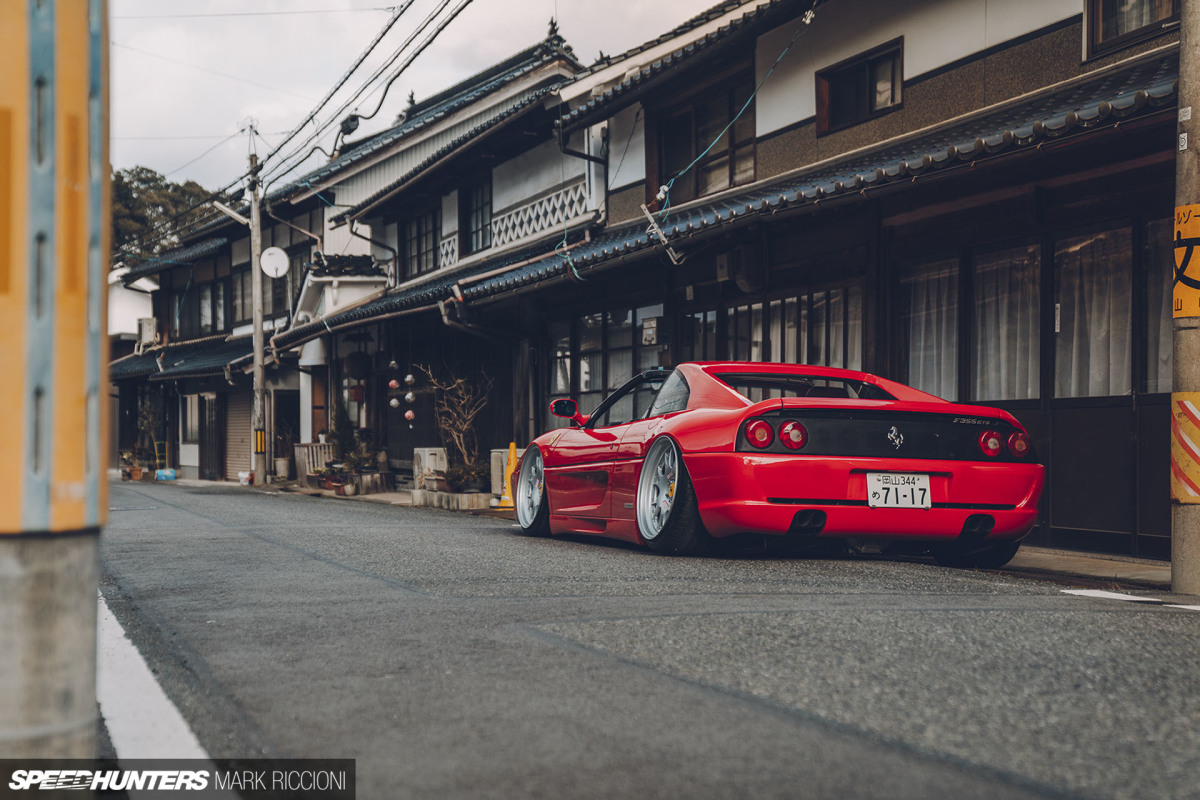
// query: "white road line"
[[142, 721], [1103, 595], [1186, 608]]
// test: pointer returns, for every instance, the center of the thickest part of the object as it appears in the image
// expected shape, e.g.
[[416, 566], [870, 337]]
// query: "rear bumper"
[[748, 492]]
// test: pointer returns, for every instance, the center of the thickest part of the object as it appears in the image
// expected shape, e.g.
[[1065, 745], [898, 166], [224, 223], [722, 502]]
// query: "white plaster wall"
[[627, 147], [341, 293], [534, 172], [338, 241], [936, 33], [125, 308], [312, 354], [450, 213]]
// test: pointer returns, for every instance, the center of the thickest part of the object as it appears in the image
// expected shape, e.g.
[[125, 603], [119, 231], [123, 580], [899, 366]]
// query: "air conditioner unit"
[[147, 331]]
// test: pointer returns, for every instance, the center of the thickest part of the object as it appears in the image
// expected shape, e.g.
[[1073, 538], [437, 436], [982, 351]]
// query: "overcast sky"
[[186, 76]]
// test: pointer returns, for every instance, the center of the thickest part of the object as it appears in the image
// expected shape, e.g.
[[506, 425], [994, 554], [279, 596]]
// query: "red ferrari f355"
[[804, 455]]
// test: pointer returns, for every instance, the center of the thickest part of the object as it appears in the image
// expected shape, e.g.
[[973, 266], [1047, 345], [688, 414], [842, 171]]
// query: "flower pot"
[[135, 473], [282, 468], [349, 489]]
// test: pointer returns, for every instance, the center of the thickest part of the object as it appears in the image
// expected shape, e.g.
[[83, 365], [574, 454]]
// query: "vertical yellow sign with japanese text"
[[1187, 261]]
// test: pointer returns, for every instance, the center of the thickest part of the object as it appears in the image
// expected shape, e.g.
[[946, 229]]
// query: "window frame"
[[475, 199], [1094, 22], [414, 254], [865, 60], [738, 87]]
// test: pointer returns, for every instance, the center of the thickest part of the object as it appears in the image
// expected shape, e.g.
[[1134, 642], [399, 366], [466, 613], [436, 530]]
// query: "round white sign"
[[274, 262]]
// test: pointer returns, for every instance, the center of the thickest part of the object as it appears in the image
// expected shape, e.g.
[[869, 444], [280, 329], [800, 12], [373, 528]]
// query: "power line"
[[202, 155], [206, 69], [181, 138], [421, 46], [255, 13], [283, 167], [397, 12]]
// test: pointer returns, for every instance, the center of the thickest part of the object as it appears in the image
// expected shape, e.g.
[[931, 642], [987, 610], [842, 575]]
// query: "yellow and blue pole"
[[54, 245]]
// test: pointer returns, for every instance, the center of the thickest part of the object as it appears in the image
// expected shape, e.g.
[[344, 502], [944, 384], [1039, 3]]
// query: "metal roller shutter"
[[237, 434]]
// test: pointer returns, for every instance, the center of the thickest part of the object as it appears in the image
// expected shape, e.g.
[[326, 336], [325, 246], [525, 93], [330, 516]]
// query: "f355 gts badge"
[[895, 437]]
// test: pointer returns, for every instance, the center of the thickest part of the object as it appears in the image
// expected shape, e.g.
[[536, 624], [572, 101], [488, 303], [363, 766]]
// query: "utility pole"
[[1185, 394], [54, 253], [258, 412]]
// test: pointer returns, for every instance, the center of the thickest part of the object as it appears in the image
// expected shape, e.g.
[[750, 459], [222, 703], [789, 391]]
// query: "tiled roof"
[[450, 147], [1103, 99], [717, 11], [179, 257], [192, 359], [417, 117], [403, 299], [438, 107], [752, 23], [1092, 102]]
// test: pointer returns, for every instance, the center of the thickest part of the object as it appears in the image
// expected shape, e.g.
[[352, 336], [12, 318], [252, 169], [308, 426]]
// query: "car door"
[[579, 470], [653, 404]]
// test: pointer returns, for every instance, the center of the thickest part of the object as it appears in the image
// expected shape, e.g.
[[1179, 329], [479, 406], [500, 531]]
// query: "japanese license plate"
[[897, 490]]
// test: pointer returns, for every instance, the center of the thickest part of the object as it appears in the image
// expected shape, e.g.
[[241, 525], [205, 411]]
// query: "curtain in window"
[[1007, 324], [1093, 286], [928, 299], [1119, 17], [854, 327], [1160, 263]]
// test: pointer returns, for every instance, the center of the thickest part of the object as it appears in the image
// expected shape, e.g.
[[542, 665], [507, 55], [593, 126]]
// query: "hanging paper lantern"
[[410, 415], [410, 397], [393, 384], [394, 403], [409, 379], [393, 366]]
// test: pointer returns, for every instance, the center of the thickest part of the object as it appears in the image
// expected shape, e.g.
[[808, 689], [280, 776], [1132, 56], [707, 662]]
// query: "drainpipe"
[[602, 160], [466, 327], [297, 228], [394, 273]]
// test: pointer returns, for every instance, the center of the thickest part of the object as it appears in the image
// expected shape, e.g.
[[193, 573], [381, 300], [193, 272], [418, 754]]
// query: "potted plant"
[[128, 464], [469, 478], [284, 440], [457, 403]]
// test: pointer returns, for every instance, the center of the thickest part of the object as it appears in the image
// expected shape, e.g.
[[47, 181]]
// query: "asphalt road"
[[455, 658]]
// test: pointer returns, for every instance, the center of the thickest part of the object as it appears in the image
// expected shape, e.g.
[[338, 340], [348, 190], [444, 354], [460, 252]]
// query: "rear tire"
[[530, 498], [668, 517], [993, 555]]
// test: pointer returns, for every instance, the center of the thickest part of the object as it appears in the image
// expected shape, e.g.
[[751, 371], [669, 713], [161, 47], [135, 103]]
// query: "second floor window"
[[199, 310], [1116, 23], [475, 216], [860, 88], [686, 134], [421, 237]]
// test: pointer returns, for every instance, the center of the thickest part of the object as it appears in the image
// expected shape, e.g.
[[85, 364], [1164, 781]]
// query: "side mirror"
[[568, 409]]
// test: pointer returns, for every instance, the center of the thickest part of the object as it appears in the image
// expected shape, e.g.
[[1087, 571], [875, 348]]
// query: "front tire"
[[668, 517], [531, 499]]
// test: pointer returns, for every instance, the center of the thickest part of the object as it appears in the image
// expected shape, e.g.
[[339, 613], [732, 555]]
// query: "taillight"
[[760, 434], [991, 443], [793, 435], [1018, 444]]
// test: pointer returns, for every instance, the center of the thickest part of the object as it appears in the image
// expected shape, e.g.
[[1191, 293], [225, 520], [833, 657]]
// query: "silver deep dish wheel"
[[657, 489], [531, 492]]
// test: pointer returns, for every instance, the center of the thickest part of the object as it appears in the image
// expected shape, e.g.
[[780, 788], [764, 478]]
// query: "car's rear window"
[[769, 386]]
